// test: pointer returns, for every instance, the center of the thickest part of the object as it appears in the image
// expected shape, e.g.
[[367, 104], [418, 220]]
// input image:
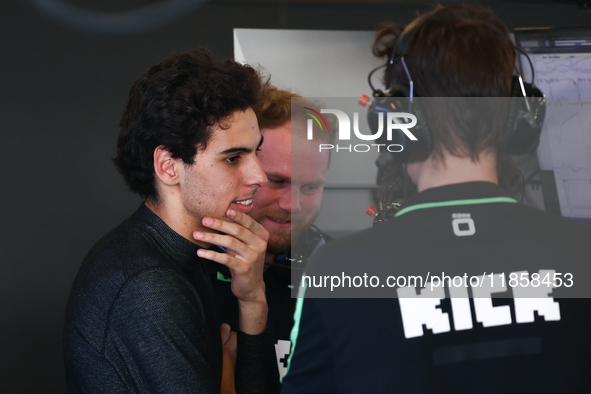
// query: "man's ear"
[[166, 167]]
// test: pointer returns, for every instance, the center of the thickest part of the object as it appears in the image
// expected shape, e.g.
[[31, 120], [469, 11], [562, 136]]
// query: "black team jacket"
[[491, 340]]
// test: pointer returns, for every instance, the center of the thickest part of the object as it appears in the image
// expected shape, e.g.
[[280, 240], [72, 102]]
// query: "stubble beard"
[[280, 241]]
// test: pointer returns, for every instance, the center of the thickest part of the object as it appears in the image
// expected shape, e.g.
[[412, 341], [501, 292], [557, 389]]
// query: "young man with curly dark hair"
[[141, 314]]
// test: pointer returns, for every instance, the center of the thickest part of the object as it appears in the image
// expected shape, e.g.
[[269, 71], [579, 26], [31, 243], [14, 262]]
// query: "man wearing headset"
[[513, 328], [286, 207]]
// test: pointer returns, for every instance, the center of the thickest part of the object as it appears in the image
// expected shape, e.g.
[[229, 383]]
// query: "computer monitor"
[[561, 63]]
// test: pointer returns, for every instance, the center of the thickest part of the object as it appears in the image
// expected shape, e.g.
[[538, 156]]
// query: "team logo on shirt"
[[463, 224]]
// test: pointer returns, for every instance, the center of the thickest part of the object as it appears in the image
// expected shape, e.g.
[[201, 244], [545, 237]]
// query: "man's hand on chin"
[[246, 243]]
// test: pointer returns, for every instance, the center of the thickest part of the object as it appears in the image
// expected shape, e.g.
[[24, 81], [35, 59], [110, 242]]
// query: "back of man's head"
[[457, 50], [175, 104]]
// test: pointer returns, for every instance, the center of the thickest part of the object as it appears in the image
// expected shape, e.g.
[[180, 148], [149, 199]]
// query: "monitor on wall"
[[561, 65]]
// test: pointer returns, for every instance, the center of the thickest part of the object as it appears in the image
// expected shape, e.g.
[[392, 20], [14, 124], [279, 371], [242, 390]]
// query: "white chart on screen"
[[565, 146]]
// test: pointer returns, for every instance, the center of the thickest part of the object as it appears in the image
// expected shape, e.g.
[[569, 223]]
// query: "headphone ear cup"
[[398, 90], [420, 149], [391, 101], [524, 123]]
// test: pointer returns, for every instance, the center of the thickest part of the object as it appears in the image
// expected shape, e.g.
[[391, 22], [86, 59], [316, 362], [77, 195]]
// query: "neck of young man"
[[174, 215], [449, 170]]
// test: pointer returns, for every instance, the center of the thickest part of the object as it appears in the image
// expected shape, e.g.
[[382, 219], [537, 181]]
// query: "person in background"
[[286, 207]]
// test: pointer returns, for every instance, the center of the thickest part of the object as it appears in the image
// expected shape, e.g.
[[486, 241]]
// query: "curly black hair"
[[175, 104]]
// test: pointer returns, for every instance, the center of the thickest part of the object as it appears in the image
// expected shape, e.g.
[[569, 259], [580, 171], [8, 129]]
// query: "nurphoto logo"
[[402, 121]]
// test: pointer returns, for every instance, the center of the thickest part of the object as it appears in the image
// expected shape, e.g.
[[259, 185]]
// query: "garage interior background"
[[62, 92]]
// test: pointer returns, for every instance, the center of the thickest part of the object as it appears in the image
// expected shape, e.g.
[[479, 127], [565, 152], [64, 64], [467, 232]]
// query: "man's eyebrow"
[[240, 149]]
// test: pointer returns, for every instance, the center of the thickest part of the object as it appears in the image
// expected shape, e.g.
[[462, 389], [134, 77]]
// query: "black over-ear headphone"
[[521, 134]]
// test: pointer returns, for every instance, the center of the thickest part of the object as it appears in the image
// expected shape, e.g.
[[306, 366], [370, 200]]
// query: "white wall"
[[331, 67]]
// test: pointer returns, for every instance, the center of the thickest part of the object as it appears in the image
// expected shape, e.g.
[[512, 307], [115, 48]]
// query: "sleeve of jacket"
[[160, 339], [256, 365], [311, 366]]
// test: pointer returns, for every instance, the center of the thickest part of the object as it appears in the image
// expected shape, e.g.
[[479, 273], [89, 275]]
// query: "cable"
[[371, 73], [531, 65]]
